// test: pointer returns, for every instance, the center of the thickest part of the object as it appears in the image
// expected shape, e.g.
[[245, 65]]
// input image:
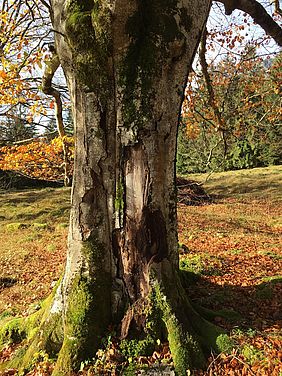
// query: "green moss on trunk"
[[88, 311], [88, 26], [157, 39]]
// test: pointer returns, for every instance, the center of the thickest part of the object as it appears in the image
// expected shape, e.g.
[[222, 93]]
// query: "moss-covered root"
[[68, 357], [17, 330], [13, 330], [185, 350], [36, 332], [190, 336], [48, 338], [86, 320]]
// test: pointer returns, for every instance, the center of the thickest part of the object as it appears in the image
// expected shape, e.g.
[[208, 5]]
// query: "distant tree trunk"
[[126, 64]]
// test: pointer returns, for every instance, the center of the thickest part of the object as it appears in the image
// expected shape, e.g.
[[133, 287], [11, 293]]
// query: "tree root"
[[168, 316], [37, 332], [190, 336]]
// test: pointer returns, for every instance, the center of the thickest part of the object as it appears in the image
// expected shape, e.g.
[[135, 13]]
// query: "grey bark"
[[123, 194], [106, 147]]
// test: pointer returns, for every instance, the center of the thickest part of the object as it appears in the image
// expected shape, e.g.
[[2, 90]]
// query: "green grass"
[[257, 182], [33, 231]]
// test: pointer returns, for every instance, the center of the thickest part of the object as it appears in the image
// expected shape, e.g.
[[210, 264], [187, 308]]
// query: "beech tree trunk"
[[126, 63]]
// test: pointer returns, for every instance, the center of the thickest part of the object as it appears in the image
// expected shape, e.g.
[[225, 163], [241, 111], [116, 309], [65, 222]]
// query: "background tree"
[[38, 158], [232, 117], [126, 66], [16, 127], [25, 28], [21, 58]]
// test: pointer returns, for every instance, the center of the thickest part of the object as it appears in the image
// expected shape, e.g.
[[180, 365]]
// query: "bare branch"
[[277, 8], [259, 15], [209, 84], [51, 66], [45, 3]]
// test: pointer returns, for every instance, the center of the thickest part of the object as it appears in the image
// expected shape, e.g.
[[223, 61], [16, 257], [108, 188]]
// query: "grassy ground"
[[33, 244], [235, 247], [233, 244]]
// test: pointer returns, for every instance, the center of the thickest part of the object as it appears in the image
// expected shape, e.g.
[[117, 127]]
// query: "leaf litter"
[[234, 246]]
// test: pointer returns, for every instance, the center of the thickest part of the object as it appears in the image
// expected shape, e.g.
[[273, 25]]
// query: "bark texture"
[[126, 63]]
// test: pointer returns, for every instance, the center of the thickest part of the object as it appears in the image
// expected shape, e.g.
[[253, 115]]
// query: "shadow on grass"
[[51, 213], [28, 197], [258, 307], [220, 191], [31, 205]]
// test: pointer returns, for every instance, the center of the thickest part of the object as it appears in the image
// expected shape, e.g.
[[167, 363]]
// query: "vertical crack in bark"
[[151, 237]]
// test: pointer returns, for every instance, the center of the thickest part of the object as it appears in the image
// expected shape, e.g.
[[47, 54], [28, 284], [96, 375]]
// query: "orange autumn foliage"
[[39, 159]]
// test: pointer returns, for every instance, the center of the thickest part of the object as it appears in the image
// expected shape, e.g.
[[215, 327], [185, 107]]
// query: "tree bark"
[[126, 64]]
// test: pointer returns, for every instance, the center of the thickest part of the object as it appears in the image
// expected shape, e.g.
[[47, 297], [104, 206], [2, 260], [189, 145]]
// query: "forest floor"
[[229, 238]]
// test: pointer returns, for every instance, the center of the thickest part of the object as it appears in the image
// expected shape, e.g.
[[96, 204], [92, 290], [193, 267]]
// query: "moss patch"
[[88, 313], [134, 348], [12, 331], [153, 31], [88, 26], [119, 199], [15, 226], [251, 354], [40, 226], [224, 343]]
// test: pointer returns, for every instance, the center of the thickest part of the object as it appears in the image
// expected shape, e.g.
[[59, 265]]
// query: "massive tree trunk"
[[126, 63]]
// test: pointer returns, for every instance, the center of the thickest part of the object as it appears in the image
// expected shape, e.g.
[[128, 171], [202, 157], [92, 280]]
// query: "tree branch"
[[211, 95], [259, 15], [277, 10], [51, 66]]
